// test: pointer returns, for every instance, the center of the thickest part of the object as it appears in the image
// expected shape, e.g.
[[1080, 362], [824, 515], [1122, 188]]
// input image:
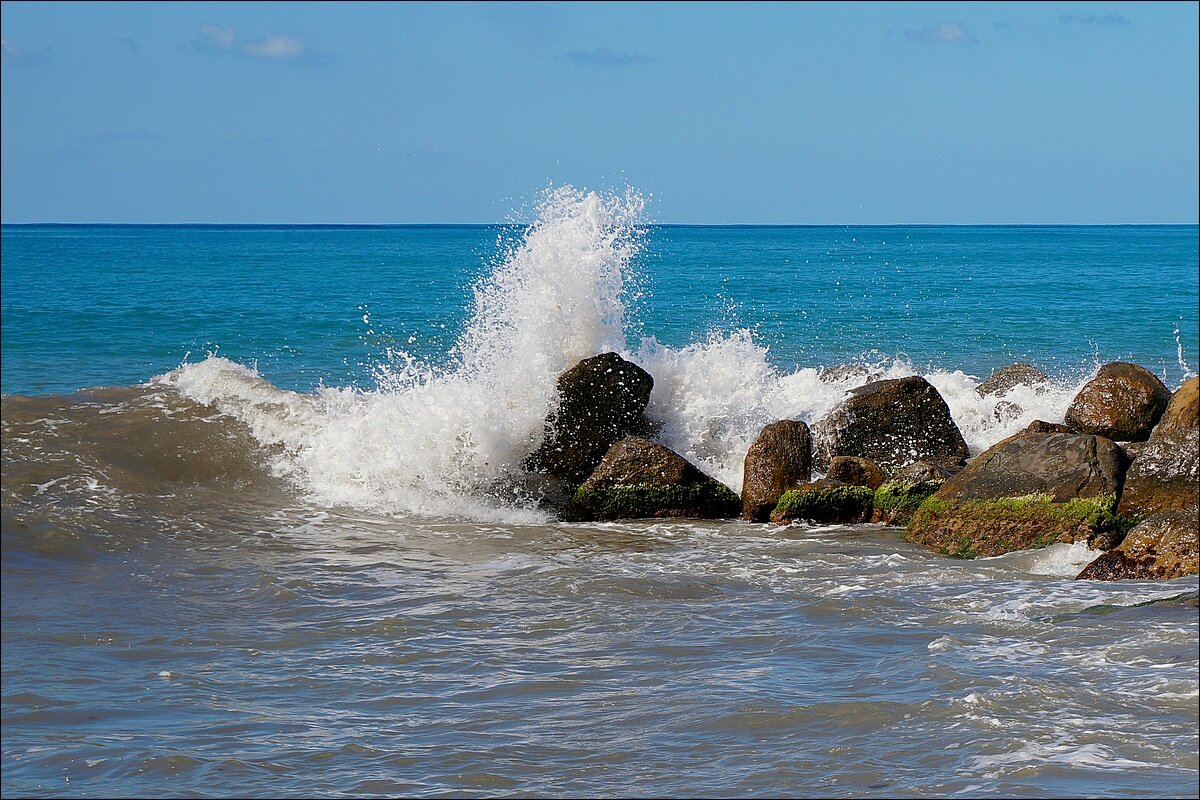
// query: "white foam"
[[440, 441]]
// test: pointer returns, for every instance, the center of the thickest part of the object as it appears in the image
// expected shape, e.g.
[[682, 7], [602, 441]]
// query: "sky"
[[807, 113]]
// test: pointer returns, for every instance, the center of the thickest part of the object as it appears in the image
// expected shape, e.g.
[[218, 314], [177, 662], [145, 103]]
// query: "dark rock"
[[638, 478], [601, 399], [1005, 378], [926, 471], [780, 457], [1030, 490], [893, 423], [1161, 547], [1123, 402], [855, 471], [847, 372], [1165, 476], [1006, 411], [1041, 426], [826, 502]]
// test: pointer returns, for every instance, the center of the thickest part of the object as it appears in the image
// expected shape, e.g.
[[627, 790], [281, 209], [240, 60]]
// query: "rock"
[[1063, 466], [855, 471], [1028, 491], [1041, 426], [1161, 547], [893, 423], [638, 478], [1165, 475], [847, 372], [896, 501], [1005, 378], [926, 471], [1123, 402], [1006, 411], [825, 501], [780, 457], [601, 399]]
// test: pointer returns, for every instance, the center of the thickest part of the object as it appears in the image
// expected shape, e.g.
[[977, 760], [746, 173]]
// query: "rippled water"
[[204, 632]]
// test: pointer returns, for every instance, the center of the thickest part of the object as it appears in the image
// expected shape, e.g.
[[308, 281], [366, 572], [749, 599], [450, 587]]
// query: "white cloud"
[[276, 46], [945, 33]]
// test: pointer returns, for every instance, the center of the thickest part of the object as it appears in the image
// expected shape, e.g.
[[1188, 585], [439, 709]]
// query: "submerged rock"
[[1165, 475], [893, 423], [638, 478], [1123, 402], [855, 471], [1003, 380], [1028, 491], [780, 457], [601, 399], [1161, 547], [825, 501]]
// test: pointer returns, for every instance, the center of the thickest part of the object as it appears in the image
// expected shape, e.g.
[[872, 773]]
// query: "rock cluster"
[[1121, 473]]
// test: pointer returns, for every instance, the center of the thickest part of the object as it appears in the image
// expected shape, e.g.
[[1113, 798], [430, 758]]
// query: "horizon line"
[[646, 225]]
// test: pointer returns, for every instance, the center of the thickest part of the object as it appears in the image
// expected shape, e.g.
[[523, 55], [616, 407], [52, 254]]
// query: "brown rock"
[[855, 471], [1161, 547], [781, 457], [601, 399], [1063, 466], [893, 423], [1123, 402], [1165, 475], [1028, 491], [1041, 426], [1004, 379]]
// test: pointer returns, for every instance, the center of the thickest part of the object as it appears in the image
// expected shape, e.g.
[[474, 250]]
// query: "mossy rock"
[[983, 528], [825, 502], [638, 501], [896, 501]]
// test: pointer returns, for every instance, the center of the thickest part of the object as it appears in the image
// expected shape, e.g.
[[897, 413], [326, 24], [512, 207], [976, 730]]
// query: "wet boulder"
[[638, 478], [601, 400], [855, 471], [1003, 380], [1028, 491], [1041, 426], [1165, 475], [1123, 402], [1163, 546], [893, 423], [847, 372], [826, 502], [781, 457]]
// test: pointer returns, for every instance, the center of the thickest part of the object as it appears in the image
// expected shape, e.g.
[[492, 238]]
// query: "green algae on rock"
[[1161, 547], [826, 502], [896, 501], [982, 528]]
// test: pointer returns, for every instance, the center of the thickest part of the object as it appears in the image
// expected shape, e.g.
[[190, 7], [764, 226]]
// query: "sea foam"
[[450, 440]]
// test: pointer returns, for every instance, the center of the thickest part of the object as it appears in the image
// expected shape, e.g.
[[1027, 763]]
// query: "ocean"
[[263, 533]]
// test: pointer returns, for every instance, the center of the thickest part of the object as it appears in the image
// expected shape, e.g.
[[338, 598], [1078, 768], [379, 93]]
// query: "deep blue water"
[[116, 305]]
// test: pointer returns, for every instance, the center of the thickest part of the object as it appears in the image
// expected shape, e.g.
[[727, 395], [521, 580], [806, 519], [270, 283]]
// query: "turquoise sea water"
[[101, 305], [296, 564]]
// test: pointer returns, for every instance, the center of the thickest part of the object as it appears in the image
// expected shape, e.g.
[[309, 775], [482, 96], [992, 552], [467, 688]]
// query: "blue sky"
[[773, 113]]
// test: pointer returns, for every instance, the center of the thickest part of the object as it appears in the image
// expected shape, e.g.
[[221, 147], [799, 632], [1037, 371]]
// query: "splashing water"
[[445, 441]]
